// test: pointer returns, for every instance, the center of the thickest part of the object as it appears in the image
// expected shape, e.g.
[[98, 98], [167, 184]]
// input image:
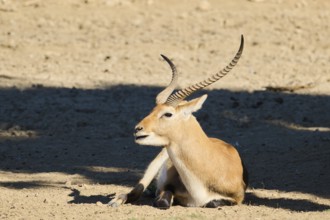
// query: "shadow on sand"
[[284, 138]]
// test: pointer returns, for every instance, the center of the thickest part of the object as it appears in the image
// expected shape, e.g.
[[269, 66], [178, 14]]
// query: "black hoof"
[[162, 204], [218, 203]]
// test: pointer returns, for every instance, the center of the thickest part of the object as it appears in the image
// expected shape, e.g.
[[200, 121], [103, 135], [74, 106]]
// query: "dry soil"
[[77, 75]]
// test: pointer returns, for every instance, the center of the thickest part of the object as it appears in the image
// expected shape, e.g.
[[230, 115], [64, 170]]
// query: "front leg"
[[218, 203], [132, 196], [164, 200], [149, 175]]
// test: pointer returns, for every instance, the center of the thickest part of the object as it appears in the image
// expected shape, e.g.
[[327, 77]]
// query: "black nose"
[[137, 129]]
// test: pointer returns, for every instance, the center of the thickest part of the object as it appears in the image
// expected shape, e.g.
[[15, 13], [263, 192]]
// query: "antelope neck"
[[191, 137]]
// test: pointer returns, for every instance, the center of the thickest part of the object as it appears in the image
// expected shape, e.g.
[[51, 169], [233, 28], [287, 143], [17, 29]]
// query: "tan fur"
[[213, 162], [194, 170]]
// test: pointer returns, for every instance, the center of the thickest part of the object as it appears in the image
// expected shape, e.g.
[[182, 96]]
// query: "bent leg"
[[170, 188], [218, 203], [164, 200], [149, 175], [132, 196]]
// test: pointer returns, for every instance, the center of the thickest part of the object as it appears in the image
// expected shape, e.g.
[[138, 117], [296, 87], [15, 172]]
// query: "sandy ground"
[[77, 75]]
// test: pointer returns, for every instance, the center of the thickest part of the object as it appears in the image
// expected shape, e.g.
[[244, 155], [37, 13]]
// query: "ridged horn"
[[180, 95], [163, 95]]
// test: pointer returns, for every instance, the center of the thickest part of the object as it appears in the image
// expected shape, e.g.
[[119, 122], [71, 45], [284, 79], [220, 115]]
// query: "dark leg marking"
[[218, 203], [135, 194], [170, 188], [164, 200]]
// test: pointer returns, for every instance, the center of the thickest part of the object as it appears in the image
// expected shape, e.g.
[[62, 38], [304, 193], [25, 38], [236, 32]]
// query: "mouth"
[[140, 137]]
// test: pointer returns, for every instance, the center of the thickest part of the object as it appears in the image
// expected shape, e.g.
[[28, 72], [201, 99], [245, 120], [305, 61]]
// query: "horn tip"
[[242, 43], [164, 57]]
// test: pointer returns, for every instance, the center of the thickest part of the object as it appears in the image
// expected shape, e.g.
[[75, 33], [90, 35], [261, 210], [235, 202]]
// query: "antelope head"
[[172, 111]]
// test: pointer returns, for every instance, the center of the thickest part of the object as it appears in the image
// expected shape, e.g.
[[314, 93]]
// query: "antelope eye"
[[168, 115]]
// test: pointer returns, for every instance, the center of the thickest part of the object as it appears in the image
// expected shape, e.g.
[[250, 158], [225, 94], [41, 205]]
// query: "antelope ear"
[[192, 106]]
